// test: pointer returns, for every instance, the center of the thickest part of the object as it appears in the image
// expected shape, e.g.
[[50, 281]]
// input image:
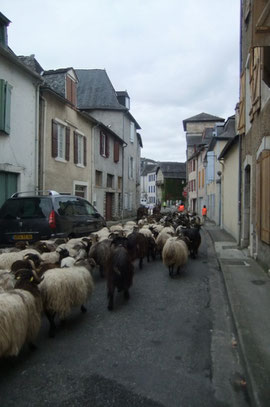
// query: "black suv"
[[53, 215]]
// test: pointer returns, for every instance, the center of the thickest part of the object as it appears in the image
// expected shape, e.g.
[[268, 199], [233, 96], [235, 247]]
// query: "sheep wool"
[[174, 253], [63, 288], [20, 321]]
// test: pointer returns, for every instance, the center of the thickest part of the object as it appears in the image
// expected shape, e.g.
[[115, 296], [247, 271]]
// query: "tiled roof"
[[95, 90], [173, 169]]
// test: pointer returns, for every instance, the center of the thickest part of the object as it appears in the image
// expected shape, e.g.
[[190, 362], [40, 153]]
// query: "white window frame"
[[61, 141], [83, 184]]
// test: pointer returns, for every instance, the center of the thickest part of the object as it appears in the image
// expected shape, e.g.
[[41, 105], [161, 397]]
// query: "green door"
[[8, 185]]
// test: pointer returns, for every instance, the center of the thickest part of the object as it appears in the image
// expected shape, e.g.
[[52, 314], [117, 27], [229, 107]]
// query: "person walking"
[[181, 207], [204, 213]]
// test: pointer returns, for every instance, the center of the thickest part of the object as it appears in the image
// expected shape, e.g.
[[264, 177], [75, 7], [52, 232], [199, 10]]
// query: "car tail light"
[[52, 222]]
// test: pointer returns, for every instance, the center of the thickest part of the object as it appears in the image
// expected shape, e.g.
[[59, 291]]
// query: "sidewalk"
[[248, 289]]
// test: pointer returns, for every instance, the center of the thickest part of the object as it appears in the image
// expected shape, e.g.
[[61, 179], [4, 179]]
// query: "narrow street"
[[171, 345]]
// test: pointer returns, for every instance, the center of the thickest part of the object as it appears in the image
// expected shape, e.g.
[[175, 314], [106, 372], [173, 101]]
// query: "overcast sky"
[[176, 58]]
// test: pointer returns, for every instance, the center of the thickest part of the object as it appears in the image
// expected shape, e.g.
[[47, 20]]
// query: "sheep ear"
[[32, 279], [18, 278]]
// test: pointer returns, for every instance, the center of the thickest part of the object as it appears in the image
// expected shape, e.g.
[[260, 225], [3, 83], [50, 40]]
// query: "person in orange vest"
[[181, 207], [204, 213]]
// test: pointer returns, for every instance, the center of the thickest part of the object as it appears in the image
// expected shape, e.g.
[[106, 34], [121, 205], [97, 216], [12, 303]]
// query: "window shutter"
[[116, 151], [67, 143], [255, 81], [101, 144], [75, 148], [69, 89], [54, 139], [7, 112], [241, 119], [84, 151], [265, 196], [107, 147], [2, 103]]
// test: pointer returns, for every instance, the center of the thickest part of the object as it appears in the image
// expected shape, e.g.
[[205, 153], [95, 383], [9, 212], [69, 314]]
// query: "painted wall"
[[19, 149], [61, 175], [230, 188]]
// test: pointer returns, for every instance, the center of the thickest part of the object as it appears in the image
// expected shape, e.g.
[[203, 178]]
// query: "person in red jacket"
[[181, 207], [204, 213]]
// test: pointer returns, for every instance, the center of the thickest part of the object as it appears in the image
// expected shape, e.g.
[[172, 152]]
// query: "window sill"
[[80, 165], [61, 160]]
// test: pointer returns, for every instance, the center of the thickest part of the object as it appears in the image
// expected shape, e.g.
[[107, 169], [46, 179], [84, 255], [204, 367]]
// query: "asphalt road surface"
[[171, 345]]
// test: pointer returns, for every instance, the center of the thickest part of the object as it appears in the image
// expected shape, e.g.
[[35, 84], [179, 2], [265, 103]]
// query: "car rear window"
[[26, 208], [67, 206]]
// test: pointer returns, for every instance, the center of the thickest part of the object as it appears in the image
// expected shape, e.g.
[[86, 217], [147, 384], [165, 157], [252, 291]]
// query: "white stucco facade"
[[19, 148]]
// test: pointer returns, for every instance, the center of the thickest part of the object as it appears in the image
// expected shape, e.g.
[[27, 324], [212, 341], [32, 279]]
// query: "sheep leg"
[[32, 346], [110, 298], [83, 309], [126, 294], [52, 329], [141, 263], [171, 271]]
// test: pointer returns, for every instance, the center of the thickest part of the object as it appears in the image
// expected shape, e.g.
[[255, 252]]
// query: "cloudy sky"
[[176, 58]]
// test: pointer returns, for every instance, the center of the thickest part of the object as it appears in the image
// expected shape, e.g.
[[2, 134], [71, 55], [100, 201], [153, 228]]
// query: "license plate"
[[23, 237]]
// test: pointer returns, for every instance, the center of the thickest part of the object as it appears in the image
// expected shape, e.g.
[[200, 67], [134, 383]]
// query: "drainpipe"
[[37, 139], [42, 126], [240, 191]]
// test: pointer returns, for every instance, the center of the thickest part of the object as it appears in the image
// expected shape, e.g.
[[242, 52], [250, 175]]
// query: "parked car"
[[25, 217]]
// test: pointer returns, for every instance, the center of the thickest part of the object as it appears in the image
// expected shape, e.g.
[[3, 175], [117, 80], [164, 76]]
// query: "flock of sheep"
[[51, 277]]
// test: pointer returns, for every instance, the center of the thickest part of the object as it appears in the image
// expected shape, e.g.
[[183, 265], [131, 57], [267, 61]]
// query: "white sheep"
[[161, 239], [7, 259], [174, 254], [7, 280], [64, 288], [20, 317]]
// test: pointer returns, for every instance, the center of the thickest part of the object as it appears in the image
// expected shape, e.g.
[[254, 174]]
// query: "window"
[[60, 141], [5, 102], [80, 190], [203, 178], [80, 151], [116, 151], [98, 178], [104, 145], [119, 182], [131, 168], [109, 181], [132, 132]]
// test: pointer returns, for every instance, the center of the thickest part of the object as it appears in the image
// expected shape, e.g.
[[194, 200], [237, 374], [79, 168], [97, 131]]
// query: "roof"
[[202, 117], [95, 91], [4, 19], [172, 169], [225, 132], [149, 168], [228, 147], [32, 63]]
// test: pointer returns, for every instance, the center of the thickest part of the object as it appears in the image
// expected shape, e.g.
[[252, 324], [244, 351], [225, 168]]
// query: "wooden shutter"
[[260, 23], [69, 89], [75, 138], [101, 143], [84, 151], [265, 196], [67, 143], [116, 151], [258, 197], [54, 139], [242, 104], [107, 146], [255, 81]]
